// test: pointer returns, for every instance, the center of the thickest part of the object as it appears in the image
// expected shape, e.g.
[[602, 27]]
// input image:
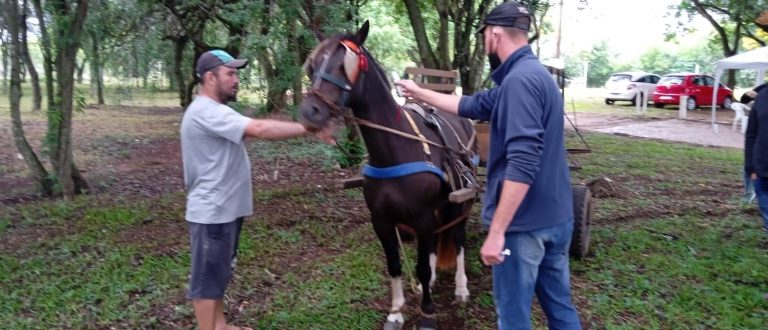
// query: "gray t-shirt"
[[217, 171]]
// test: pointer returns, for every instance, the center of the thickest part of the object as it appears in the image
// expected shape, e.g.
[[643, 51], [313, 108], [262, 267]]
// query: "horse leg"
[[461, 293], [426, 241], [388, 238], [433, 267]]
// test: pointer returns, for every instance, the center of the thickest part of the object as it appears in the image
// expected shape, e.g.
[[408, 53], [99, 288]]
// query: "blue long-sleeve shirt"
[[527, 145], [756, 137]]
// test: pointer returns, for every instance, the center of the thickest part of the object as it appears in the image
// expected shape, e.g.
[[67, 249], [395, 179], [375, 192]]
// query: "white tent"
[[756, 59]]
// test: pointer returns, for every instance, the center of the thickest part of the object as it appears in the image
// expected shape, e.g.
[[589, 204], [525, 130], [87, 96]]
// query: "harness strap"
[[402, 170], [418, 132], [394, 131]]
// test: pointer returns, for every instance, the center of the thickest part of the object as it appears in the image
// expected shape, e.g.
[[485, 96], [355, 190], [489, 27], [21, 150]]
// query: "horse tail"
[[446, 249]]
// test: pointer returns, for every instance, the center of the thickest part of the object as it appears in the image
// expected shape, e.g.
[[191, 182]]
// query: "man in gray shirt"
[[217, 175]]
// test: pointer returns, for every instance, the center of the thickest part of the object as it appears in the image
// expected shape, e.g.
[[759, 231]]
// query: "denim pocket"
[[217, 231]]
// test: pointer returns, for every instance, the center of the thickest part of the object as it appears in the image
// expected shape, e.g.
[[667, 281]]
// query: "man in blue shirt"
[[756, 149], [528, 206]]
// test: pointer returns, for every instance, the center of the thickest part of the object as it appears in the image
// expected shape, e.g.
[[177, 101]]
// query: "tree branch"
[[723, 35]]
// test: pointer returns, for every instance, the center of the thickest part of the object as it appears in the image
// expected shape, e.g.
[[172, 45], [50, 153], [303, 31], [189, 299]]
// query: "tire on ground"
[[582, 216]]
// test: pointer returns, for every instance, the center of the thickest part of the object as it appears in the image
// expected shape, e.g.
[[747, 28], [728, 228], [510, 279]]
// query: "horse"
[[405, 185]]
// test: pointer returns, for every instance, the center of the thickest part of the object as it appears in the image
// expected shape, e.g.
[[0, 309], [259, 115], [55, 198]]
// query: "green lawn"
[[672, 250]]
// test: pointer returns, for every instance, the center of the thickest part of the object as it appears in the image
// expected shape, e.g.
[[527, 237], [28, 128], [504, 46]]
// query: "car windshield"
[[619, 77], [671, 80]]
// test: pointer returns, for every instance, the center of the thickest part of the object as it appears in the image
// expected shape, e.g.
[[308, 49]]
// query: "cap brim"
[[237, 63], [481, 29]]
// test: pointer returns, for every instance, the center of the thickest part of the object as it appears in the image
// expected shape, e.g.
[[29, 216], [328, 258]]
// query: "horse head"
[[334, 67]]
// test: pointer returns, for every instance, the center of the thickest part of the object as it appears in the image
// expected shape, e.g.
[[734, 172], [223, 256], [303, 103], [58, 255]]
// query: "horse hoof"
[[462, 298], [389, 325], [427, 324]]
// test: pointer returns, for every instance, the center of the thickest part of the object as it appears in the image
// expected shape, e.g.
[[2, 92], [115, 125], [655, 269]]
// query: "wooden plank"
[[432, 72], [438, 87], [461, 195], [350, 183]]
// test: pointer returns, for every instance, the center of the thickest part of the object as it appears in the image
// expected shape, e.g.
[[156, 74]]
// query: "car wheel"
[[727, 103], [608, 102], [658, 105], [691, 104]]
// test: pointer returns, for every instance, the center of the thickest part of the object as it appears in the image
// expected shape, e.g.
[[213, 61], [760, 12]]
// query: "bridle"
[[355, 65]]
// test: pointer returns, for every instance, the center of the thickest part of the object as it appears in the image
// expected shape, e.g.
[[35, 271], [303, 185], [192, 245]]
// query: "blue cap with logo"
[[213, 58]]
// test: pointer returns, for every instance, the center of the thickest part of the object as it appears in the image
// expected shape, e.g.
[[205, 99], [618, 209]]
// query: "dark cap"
[[507, 14], [213, 58]]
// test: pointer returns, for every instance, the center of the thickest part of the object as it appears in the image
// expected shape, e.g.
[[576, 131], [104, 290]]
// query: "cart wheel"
[[582, 216]]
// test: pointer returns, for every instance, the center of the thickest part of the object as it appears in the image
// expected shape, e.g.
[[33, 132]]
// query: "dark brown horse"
[[405, 183]]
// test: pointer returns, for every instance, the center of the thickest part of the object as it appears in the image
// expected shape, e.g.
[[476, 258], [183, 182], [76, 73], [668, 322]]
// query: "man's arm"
[[270, 129], [750, 136], [445, 102], [512, 194], [476, 106]]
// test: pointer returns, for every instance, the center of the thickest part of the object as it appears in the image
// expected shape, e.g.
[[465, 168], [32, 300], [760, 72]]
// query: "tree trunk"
[[178, 58], [37, 97], [68, 21], [294, 47], [97, 74], [45, 47], [81, 69], [427, 57], [37, 171], [4, 50]]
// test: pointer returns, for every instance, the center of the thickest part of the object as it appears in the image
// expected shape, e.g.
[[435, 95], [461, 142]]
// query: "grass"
[[674, 251]]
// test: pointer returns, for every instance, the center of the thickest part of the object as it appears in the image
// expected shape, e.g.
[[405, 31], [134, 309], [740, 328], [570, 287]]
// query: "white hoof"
[[395, 321], [392, 326], [462, 294]]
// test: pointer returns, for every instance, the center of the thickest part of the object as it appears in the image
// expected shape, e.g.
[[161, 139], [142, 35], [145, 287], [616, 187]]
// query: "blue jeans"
[[538, 263], [761, 190]]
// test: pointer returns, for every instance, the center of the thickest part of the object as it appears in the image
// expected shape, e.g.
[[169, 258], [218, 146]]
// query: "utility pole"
[[559, 30]]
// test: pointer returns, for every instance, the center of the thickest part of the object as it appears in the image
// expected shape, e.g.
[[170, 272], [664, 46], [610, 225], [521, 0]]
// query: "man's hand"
[[326, 135], [753, 176], [751, 94], [410, 88], [491, 252]]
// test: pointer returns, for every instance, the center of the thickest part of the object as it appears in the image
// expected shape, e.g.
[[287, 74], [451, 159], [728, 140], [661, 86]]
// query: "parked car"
[[698, 87], [624, 86]]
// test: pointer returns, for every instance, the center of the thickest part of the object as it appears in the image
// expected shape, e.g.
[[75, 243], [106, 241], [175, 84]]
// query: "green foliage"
[[390, 38], [351, 151], [600, 66]]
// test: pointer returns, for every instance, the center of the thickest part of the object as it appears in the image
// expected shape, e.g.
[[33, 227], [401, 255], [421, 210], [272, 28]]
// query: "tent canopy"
[[756, 59]]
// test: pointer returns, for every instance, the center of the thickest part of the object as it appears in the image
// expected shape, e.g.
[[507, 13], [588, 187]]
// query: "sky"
[[629, 26]]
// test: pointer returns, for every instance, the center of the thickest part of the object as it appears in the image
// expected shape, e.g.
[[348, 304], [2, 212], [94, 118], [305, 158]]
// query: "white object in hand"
[[506, 252], [396, 78]]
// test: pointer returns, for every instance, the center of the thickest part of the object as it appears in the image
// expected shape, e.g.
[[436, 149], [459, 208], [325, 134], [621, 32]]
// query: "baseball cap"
[[213, 58], [506, 14]]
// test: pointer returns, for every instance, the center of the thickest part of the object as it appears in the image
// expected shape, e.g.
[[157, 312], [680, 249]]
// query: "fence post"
[[644, 107], [683, 113], [638, 102]]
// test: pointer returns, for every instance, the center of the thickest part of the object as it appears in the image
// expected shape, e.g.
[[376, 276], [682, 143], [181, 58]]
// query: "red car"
[[698, 87]]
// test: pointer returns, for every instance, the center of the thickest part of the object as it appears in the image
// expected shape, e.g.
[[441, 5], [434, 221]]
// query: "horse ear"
[[362, 34]]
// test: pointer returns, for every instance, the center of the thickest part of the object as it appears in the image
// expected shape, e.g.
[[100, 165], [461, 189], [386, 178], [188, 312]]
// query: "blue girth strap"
[[402, 170]]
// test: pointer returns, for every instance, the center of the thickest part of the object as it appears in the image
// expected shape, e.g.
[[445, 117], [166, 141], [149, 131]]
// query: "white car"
[[624, 86]]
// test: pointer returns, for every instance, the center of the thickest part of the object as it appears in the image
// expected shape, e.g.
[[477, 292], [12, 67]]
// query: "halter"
[[354, 62]]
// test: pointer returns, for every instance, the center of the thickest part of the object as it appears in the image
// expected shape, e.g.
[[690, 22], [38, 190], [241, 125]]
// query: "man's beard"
[[227, 96], [494, 61]]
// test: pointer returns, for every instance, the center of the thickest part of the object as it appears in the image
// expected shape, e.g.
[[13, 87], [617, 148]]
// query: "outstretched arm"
[[270, 129], [445, 102]]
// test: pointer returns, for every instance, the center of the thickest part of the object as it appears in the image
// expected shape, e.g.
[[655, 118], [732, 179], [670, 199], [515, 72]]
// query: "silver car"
[[624, 86]]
